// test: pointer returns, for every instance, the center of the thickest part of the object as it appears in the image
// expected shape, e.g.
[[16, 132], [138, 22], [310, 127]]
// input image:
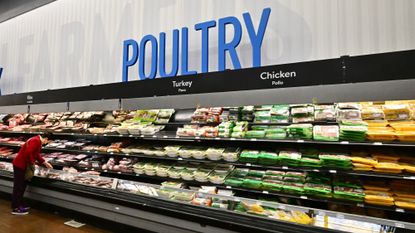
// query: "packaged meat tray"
[[268, 158], [405, 136], [294, 188], [304, 131], [252, 183], [373, 113], [310, 162], [231, 154], [255, 134], [289, 158], [320, 190], [326, 132], [324, 113], [248, 156], [347, 193], [396, 112], [381, 135], [215, 153]]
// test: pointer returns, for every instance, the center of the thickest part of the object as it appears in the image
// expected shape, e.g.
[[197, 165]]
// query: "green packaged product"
[[271, 186], [347, 193], [255, 134], [275, 178], [280, 110], [268, 158], [279, 119], [239, 128], [263, 108], [309, 162], [274, 173], [340, 161], [260, 127], [276, 130], [293, 188], [240, 172], [238, 134], [289, 158], [318, 190], [256, 173], [252, 184], [248, 156], [234, 182]]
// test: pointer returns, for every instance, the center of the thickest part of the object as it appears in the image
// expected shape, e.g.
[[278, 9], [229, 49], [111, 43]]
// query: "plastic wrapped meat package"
[[326, 132]]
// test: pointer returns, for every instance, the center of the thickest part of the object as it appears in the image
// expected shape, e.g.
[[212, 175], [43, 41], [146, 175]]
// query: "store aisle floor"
[[37, 222]]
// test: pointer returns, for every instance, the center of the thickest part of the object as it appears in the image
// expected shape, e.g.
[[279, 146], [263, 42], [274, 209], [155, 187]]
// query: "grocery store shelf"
[[405, 176], [171, 136], [132, 209]]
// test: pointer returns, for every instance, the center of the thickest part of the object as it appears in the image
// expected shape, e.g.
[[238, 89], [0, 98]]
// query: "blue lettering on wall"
[[175, 55], [134, 52]]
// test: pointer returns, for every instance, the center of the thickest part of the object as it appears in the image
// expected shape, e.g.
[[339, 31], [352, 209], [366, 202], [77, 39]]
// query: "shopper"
[[23, 169]]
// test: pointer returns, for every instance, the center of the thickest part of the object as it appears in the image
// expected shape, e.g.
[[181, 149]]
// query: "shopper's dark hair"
[[47, 135]]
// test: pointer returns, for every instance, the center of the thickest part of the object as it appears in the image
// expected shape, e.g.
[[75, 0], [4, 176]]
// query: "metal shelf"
[[171, 136], [405, 176]]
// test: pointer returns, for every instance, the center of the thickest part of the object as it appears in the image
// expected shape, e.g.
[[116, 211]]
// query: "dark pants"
[[19, 187]]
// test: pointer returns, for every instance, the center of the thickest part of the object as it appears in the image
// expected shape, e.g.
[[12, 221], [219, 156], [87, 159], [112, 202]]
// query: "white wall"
[[76, 42]]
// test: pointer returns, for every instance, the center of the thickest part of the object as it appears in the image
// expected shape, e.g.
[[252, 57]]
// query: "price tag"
[[154, 136], [119, 172], [137, 174], [344, 142], [127, 154], [92, 169], [111, 153], [197, 137], [228, 187], [233, 139], [400, 210], [360, 205], [72, 134], [340, 216], [179, 158], [399, 225], [114, 183], [265, 192], [105, 135], [130, 135], [95, 134], [300, 141], [409, 177], [377, 143], [285, 167], [248, 164], [105, 170], [164, 136], [304, 197], [89, 151], [217, 138], [177, 137], [333, 171], [316, 170], [253, 139]]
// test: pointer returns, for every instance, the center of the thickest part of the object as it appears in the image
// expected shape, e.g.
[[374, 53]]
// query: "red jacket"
[[29, 153]]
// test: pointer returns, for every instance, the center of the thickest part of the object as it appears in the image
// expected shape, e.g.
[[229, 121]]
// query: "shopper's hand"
[[48, 165]]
